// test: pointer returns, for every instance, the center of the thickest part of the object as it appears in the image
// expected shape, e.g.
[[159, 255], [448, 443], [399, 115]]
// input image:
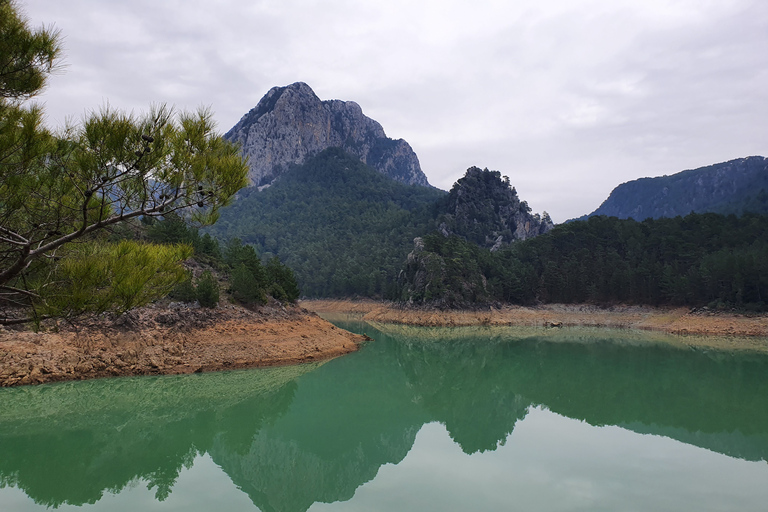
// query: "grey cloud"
[[568, 98]]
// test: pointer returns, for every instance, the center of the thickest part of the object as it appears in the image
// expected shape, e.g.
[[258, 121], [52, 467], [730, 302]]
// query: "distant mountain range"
[[737, 187], [291, 124]]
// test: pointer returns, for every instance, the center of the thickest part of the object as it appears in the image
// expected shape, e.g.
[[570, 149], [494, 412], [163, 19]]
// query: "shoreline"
[[702, 328], [179, 339], [170, 340]]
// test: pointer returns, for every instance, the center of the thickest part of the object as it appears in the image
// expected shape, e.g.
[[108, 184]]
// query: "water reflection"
[[714, 397], [68, 443], [290, 437]]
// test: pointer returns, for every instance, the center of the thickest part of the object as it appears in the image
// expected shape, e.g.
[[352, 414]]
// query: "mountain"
[[737, 186], [343, 227], [483, 208], [346, 229], [291, 124], [349, 201]]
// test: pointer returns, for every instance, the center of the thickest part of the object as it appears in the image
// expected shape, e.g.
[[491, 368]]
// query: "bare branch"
[[20, 291], [21, 239], [12, 242], [18, 321]]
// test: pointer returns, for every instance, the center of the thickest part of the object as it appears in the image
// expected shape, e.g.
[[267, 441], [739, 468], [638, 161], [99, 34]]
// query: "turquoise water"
[[419, 419]]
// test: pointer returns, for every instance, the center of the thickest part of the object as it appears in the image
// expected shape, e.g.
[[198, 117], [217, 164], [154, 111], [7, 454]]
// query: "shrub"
[[184, 291], [245, 287], [208, 290], [283, 285]]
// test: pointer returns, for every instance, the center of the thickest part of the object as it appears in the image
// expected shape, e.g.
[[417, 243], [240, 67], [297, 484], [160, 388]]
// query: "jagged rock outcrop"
[[483, 208], [291, 123], [736, 186]]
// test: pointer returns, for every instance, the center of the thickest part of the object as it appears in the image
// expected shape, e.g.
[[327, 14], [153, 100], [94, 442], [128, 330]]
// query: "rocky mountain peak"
[[290, 124], [484, 208]]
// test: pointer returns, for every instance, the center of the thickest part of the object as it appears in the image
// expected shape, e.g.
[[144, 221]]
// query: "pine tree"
[[57, 188]]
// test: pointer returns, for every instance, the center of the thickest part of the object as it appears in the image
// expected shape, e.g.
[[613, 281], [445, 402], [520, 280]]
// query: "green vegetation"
[[281, 281], [250, 281], [173, 229], [207, 290], [75, 185], [341, 226], [346, 229], [99, 277], [700, 259]]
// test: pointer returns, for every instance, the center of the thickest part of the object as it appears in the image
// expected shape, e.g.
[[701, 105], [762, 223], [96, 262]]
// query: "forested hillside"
[[700, 259], [342, 227], [345, 229], [738, 186]]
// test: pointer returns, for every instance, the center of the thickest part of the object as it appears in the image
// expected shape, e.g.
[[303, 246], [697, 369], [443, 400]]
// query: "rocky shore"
[[170, 339], [710, 328]]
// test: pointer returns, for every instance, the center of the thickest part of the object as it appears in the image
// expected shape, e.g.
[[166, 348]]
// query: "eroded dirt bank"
[[683, 321], [170, 340]]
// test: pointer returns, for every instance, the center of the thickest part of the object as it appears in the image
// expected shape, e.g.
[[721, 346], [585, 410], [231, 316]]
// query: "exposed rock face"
[[730, 187], [291, 123], [485, 209]]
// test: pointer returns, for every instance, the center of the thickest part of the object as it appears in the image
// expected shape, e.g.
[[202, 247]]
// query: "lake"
[[480, 419]]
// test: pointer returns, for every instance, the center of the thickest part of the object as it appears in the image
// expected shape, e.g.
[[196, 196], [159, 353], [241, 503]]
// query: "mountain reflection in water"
[[290, 437]]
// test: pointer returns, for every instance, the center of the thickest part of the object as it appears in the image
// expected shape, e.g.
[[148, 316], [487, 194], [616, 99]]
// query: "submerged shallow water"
[[419, 419]]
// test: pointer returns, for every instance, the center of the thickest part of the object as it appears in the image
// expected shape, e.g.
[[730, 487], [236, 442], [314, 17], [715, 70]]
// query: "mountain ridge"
[[729, 187]]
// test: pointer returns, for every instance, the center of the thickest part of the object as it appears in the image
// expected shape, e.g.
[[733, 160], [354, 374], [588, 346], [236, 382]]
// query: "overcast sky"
[[568, 98]]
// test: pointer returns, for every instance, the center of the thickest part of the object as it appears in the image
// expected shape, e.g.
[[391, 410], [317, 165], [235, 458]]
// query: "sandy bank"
[[170, 340], [679, 321]]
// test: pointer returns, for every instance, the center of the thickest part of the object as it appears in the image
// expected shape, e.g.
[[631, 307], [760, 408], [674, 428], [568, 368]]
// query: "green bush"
[[283, 285], [208, 290], [184, 291], [245, 287]]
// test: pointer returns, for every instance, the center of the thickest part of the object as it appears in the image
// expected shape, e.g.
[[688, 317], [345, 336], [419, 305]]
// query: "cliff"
[[290, 124]]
